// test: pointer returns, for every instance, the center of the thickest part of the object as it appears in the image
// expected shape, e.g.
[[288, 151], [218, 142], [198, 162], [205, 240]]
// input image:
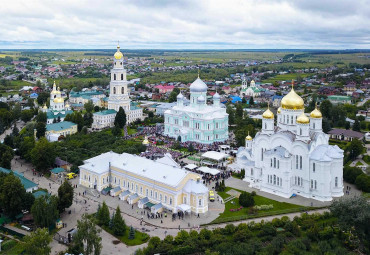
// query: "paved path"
[[19, 124], [89, 204]]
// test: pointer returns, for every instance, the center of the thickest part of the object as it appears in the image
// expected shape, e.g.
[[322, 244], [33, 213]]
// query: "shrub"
[[363, 182], [246, 199], [263, 207], [351, 173]]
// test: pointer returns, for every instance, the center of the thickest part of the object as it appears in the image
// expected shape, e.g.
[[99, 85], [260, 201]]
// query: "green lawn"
[[286, 77], [359, 163], [12, 248], [140, 237], [279, 208], [131, 131]]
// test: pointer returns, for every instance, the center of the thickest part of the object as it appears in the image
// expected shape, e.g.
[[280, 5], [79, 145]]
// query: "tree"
[[120, 119], [96, 108], [40, 129], [65, 196], [38, 242], [26, 115], [116, 131], [43, 155], [363, 182], [354, 213], [89, 106], [42, 98], [119, 226], [173, 96], [355, 148], [41, 117], [251, 101], [45, 210], [26, 146], [12, 193], [6, 156], [356, 126], [246, 199], [87, 238], [239, 113], [103, 215], [325, 108], [350, 173]]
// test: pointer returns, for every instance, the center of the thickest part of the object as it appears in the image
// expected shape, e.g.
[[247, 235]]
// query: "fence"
[[11, 232]]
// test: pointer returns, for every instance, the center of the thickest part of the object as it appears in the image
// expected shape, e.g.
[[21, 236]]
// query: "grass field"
[[286, 77], [279, 208], [140, 237]]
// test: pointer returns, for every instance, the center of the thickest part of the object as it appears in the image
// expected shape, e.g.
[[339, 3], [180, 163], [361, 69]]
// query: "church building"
[[197, 122], [293, 156], [119, 96], [251, 90], [57, 111]]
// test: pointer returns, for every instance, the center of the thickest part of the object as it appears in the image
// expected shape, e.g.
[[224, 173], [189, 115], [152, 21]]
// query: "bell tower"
[[119, 95]]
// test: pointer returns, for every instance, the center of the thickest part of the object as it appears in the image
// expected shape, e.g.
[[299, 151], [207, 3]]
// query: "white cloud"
[[185, 24]]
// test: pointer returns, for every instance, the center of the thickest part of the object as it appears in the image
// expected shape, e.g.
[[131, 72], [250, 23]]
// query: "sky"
[[185, 24]]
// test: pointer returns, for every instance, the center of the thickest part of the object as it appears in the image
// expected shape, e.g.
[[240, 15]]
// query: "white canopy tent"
[[184, 208], [208, 170], [214, 155], [191, 166]]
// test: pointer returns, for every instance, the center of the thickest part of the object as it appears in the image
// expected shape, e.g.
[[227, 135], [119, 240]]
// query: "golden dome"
[[268, 114], [292, 101], [279, 110], [249, 138], [118, 55], [303, 119], [67, 106], [45, 107], [146, 141], [58, 100], [316, 113]]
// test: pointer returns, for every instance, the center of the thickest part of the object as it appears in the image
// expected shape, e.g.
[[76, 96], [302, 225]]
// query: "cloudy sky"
[[185, 24]]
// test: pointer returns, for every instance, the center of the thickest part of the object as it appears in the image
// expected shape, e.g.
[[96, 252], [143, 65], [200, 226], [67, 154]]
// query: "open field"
[[286, 77]]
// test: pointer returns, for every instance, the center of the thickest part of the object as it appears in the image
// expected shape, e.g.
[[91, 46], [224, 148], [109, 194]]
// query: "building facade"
[[252, 90], [157, 180], [55, 130], [119, 96], [197, 122], [293, 156]]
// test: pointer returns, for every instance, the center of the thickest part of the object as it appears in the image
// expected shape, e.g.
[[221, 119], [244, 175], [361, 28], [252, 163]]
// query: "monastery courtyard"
[[89, 204]]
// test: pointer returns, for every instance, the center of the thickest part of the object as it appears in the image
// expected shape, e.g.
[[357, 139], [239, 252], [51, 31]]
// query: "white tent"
[[191, 166], [184, 208], [208, 170], [214, 155]]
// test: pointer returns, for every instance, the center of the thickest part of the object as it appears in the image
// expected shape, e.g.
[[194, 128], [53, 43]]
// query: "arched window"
[[274, 179], [122, 90], [252, 171], [200, 202], [300, 131], [114, 76], [265, 126], [300, 162], [114, 90], [121, 76], [336, 182], [313, 167], [313, 125], [274, 162]]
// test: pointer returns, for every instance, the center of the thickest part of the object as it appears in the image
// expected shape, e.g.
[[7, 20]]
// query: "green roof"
[[39, 193], [57, 170], [51, 115], [106, 112], [339, 98], [149, 205], [27, 184], [60, 126]]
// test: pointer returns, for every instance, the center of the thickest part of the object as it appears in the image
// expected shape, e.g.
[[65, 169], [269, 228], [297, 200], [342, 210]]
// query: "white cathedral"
[[119, 96], [293, 156]]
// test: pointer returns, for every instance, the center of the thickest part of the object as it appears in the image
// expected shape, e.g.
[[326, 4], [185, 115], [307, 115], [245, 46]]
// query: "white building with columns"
[[199, 121], [161, 182], [292, 156], [119, 96]]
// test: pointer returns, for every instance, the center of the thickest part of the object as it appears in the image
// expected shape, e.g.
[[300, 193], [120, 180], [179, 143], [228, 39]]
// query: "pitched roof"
[[27, 184], [60, 126]]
